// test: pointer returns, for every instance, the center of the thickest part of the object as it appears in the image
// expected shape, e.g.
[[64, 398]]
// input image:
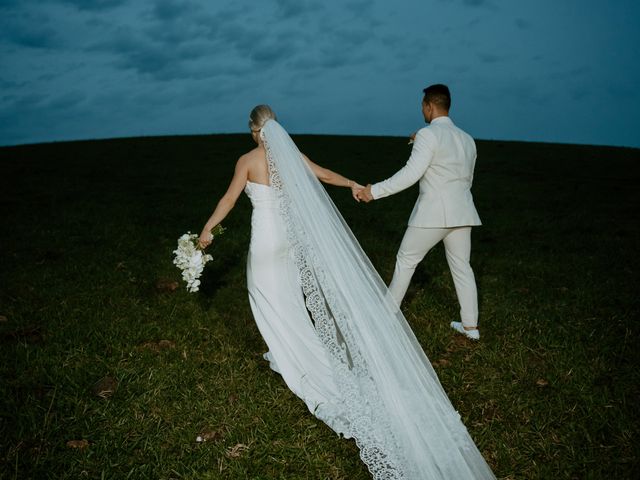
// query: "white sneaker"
[[472, 334]]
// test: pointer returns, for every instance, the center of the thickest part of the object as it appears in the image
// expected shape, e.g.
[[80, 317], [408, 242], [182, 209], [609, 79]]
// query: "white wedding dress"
[[337, 337], [279, 309]]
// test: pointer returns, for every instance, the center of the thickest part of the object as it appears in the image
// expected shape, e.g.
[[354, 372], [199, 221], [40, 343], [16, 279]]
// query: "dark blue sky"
[[546, 70]]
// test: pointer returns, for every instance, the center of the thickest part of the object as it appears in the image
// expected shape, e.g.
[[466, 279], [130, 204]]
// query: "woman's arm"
[[332, 178], [227, 202]]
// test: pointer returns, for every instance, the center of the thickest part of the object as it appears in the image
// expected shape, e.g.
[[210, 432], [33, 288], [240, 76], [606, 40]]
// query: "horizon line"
[[129, 137]]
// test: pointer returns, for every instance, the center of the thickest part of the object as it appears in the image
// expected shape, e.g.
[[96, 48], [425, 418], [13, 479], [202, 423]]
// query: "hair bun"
[[259, 116]]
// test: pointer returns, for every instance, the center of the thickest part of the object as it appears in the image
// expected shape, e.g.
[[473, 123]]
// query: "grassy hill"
[[95, 345]]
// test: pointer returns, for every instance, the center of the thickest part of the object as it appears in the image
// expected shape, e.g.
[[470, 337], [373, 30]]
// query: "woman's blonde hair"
[[259, 116]]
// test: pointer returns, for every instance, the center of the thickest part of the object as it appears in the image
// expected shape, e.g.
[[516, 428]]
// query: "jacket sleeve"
[[424, 147]]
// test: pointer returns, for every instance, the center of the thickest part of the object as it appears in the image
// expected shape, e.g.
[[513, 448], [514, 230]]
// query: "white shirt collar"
[[444, 119]]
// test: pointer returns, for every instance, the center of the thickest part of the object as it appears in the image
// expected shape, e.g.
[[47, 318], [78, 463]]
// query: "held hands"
[[365, 194], [356, 188], [361, 193]]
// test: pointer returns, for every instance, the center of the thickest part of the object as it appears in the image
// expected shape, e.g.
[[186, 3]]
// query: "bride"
[[333, 331]]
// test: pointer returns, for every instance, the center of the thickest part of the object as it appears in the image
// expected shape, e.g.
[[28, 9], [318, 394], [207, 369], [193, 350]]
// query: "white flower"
[[190, 260]]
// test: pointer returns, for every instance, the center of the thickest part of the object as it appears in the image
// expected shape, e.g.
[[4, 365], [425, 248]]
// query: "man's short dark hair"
[[439, 95]]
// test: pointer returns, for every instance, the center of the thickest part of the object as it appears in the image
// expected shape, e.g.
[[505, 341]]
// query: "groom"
[[442, 159]]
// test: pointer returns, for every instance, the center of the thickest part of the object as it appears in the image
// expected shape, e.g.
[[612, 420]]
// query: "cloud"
[[179, 42], [358, 7], [473, 22], [170, 10], [329, 57], [268, 49], [9, 84], [153, 60], [352, 37], [161, 57], [67, 101], [579, 93], [579, 71], [489, 58], [8, 3], [471, 3], [16, 114], [95, 4], [189, 27], [272, 52], [336, 48], [28, 30], [296, 8], [19, 102]]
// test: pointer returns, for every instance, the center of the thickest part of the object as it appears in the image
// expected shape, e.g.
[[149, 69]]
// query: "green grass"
[[88, 228]]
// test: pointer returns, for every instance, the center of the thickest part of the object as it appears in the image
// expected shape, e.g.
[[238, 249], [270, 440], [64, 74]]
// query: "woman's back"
[[258, 171]]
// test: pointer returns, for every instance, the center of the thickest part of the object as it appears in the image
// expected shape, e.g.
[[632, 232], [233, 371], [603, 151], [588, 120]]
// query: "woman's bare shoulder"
[[257, 153], [254, 162]]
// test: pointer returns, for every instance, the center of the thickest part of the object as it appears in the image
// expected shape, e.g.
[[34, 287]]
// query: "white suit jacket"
[[442, 159]]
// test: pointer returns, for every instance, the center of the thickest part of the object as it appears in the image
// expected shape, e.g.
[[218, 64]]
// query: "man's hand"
[[365, 194]]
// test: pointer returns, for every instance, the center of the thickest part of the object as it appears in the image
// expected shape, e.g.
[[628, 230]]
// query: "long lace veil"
[[392, 403]]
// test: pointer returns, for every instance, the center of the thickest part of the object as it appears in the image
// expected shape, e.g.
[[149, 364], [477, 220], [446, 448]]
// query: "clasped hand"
[[361, 193]]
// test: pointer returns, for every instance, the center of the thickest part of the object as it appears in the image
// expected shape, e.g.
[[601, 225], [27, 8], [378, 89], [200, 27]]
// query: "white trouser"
[[457, 244]]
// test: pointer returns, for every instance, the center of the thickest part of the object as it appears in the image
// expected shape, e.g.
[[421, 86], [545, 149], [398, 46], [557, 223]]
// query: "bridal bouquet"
[[191, 259]]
